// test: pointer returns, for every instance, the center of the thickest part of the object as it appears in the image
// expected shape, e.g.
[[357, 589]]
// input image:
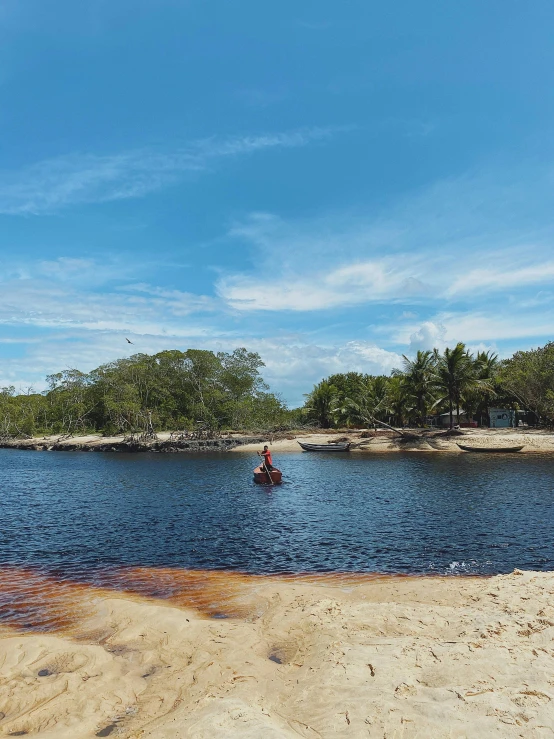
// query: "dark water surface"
[[399, 513]]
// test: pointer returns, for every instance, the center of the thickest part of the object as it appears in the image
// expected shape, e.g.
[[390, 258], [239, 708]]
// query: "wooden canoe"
[[491, 448], [325, 447], [262, 477]]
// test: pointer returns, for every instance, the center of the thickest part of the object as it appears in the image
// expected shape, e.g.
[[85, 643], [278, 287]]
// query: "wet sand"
[[329, 656]]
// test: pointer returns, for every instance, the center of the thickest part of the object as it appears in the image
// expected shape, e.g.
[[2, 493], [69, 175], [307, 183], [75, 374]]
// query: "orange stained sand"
[[217, 593], [32, 600], [35, 600]]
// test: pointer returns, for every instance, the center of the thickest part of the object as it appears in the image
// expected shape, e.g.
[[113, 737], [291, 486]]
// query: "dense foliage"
[[194, 390], [529, 377], [203, 393], [454, 381]]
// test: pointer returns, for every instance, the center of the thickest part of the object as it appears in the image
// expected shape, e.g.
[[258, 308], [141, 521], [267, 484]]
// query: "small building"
[[463, 421], [502, 418]]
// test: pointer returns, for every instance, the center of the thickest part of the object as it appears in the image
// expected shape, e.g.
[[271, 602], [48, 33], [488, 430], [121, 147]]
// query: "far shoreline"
[[534, 441]]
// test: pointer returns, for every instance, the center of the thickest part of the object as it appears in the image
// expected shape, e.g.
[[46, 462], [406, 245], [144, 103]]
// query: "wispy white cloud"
[[452, 264], [426, 277], [65, 267], [59, 295], [352, 284], [542, 298], [500, 325], [52, 184], [452, 242], [286, 359], [447, 328], [494, 277]]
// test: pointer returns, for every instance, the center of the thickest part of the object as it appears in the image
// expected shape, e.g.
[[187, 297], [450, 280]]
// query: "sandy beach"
[[534, 441], [432, 440], [295, 657]]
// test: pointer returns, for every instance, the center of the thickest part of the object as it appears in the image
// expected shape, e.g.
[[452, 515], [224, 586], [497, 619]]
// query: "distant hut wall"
[[502, 418], [463, 421]]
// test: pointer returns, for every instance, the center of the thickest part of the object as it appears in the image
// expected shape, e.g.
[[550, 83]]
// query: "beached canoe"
[[325, 447], [262, 477], [491, 448]]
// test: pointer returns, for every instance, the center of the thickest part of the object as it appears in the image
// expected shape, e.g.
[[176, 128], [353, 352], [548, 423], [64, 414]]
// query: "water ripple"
[[74, 513]]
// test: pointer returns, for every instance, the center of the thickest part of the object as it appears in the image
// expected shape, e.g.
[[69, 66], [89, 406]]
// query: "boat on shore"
[[340, 447], [265, 477], [491, 449]]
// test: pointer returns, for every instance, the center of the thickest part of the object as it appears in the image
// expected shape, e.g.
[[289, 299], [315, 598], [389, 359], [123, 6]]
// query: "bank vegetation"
[[200, 394]]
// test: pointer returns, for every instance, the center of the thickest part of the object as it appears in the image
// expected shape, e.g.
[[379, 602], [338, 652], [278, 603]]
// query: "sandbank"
[[295, 657]]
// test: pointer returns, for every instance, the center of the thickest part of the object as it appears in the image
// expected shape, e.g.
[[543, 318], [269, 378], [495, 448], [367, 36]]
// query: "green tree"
[[399, 400], [528, 377], [455, 376], [320, 404], [195, 390], [420, 382], [371, 401], [478, 398], [69, 400]]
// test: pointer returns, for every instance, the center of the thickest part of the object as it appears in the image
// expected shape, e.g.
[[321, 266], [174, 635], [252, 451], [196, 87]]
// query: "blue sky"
[[330, 184]]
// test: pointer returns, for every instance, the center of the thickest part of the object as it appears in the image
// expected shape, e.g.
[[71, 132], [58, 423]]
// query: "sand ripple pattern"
[[163, 653]]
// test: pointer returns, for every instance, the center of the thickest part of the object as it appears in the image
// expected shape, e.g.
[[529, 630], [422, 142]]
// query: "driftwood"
[[403, 434]]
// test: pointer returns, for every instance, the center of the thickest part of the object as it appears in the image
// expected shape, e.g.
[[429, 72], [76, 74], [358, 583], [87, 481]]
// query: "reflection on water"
[[75, 514]]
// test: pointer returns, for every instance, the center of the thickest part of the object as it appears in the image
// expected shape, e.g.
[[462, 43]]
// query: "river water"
[[77, 513]]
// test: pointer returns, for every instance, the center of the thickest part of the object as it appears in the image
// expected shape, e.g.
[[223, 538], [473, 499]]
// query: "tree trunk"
[[388, 426], [450, 409]]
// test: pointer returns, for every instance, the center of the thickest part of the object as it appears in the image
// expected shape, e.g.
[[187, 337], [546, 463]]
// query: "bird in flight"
[[128, 340]]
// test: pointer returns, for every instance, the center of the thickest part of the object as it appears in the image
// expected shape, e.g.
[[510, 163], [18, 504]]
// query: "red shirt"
[[267, 456]]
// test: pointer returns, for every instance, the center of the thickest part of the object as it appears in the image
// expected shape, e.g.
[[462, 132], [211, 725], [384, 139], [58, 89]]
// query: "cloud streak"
[[426, 278], [57, 295], [53, 184], [348, 285], [450, 264], [456, 241]]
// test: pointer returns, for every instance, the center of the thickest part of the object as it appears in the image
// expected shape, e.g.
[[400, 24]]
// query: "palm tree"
[[399, 400], [419, 380], [488, 364], [370, 401], [486, 367], [455, 376], [320, 404]]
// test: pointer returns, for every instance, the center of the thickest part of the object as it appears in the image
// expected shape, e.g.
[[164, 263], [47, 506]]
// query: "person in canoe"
[[266, 472], [268, 462]]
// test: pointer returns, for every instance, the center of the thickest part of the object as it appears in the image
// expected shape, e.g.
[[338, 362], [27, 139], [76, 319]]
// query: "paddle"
[[267, 472]]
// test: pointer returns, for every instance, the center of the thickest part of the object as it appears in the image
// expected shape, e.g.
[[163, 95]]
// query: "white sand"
[[385, 441], [533, 441], [397, 657]]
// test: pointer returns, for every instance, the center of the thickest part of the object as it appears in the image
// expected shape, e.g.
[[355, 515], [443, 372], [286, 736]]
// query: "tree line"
[[203, 393], [199, 392], [433, 382]]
